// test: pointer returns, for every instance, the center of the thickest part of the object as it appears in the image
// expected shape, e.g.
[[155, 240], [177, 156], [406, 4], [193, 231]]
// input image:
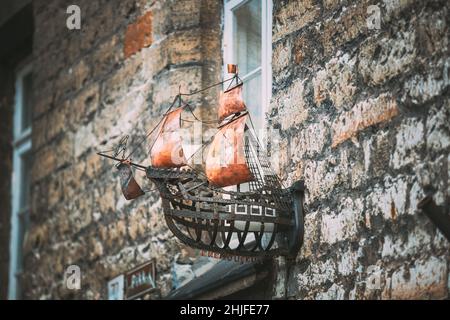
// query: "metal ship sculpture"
[[235, 204]]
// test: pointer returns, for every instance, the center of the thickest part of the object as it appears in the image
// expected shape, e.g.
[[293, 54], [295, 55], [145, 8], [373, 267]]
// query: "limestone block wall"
[[113, 77], [364, 119], [362, 112]]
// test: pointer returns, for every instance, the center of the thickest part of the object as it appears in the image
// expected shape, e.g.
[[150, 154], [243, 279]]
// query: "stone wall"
[[364, 119], [363, 115], [113, 77]]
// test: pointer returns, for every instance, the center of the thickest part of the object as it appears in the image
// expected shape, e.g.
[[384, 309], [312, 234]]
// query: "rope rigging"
[[121, 147], [186, 105]]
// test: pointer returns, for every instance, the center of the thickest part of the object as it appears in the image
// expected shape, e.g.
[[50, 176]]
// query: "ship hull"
[[257, 223]]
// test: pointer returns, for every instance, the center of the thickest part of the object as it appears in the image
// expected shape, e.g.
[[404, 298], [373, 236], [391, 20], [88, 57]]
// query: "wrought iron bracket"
[[264, 220], [294, 237], [437, 214]]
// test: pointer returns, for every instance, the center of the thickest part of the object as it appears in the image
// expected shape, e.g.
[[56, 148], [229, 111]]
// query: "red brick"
[[138, 35]]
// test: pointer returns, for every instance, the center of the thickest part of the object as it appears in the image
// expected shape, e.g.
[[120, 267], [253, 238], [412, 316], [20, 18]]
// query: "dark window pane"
[[247, 36]]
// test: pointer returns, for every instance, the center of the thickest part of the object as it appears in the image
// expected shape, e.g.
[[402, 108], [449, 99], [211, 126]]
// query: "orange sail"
[[167, 150], [130, 188], [231, 102], [225, 162]]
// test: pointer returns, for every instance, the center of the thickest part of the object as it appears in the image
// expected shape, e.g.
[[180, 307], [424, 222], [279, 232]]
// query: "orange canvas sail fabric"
[[225, 162], [167, 151], [130, 188], [230, 102]]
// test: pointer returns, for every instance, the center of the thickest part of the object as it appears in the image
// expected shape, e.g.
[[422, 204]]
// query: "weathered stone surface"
[[422, 88], [417, 241], [281, 59], [47, 163], [57, 120], [171, 82], [183, 47], [385, 58], [347, 262], [311, 140], [337, 81], [432, 174], [350, 24], [322, 177], [409, 141], [386, 91], [293, 16], [83, 105], [438, 130], [335, 292], [333, 4], [292, 107], [377, 149], [312, 233], [317, 274], [394, 7], [130, 73], [84, 139], [424, 279], [432, 32], [344, 225], [43, 101], [306, 47], [389, 199], [108, 56], [180, 15], [363, 115]]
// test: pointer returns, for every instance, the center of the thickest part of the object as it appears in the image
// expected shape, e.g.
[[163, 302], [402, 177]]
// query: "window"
[[248, 43], [21, 176]]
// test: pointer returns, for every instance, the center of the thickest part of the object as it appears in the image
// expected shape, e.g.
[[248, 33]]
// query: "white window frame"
[[21, 145], [266, 49]]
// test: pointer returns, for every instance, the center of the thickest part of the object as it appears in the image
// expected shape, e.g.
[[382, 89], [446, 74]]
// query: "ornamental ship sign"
[[235, 204]]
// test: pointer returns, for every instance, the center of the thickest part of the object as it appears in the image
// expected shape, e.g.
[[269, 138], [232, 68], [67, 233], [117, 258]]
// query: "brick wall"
[[364, 119], [113, 77]]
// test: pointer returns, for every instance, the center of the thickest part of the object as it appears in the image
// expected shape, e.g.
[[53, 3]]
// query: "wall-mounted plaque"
[[140, 280], [116, 288]]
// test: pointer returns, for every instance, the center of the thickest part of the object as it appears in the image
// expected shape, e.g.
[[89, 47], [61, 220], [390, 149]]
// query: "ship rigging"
[[236, 204]]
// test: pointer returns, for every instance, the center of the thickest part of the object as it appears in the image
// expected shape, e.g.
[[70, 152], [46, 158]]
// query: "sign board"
[[140, 280], [115, 288]]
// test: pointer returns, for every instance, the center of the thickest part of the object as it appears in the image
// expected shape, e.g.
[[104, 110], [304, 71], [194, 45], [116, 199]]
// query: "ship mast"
[[226, 163]]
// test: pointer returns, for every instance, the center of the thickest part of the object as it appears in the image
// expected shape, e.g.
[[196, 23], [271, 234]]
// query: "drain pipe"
[[437, 215]]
